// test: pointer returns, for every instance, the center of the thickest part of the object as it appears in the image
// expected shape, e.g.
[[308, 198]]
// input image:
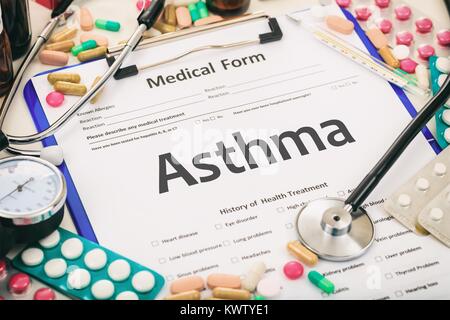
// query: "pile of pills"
[[82, 269], [416, 201], [15, 285], [440, 68]]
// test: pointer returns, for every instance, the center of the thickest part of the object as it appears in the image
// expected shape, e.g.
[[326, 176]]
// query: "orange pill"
[[388, 57], [302, 253], [86, 21], [339, 24], [183, 17], [208, 20], [189, 283], [378, 39], [53, 58], [224, 281]]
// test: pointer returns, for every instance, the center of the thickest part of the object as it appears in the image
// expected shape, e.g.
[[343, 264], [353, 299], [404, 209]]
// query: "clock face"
[[28, 186]]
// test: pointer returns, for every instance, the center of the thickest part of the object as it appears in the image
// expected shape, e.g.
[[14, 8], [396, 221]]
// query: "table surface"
[[19, 121]]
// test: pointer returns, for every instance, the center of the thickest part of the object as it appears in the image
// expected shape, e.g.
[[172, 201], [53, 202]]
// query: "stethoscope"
[[12, 143]]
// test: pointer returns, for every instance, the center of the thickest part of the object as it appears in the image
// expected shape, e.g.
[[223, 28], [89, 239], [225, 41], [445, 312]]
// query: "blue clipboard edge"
[[76, 208]]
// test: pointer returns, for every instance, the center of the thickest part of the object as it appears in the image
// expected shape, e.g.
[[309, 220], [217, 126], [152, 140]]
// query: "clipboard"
[[74, 204]]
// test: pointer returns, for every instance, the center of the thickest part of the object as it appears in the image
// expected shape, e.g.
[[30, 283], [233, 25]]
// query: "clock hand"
[[19, 188]]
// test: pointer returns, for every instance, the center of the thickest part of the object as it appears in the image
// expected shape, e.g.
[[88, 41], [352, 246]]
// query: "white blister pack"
[[414, 197], [435, 218]]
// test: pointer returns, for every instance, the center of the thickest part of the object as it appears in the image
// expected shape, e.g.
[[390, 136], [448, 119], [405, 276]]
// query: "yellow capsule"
[[302, 253], [67, 77], [170, 15], [164, 27], [232, 294], [188, 295], [92, 54], [69, 88], [63, 46], [65, 34], [99, 93], [389, 57]]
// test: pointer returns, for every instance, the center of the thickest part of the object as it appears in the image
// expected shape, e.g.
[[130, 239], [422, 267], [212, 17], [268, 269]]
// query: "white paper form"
[[148, 162]]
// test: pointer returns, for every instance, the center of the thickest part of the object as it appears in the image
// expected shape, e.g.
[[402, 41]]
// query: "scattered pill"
[[72, 248], [86, 21], [44, 294], [231, 294], [95, 259], [92, 54], [19, 284], [321, 282], [140, 4], [339, 24], [193, 11], [253, 276], [424, 25], [183, 17], [53, 58], [60, 76], [384, 25], [90, 44], [215, 280], [65, 34], [423, 76], [32, 257], [389, 58], [208, 20], [102, 290], [436, 214], [170, 16], [107, 25], [119, 270], [401, 52], [78, 279], [404, 200], [363, 13], [55, 268], [377, 38], [440, 169], [422, 184], [99, 39], [426, 51], [293, 270], [55, 99], [202, 10], [269, 287], [258, 297], [318, 12], [344, 3], [443, 65], [127, 295], [188, 295], [408, 65], [164, 27], [99, 93], [383, 4], [403, 12], [405, 37], [63, 46], [443, 38], [300, 252], [143, 281], [187, 284]]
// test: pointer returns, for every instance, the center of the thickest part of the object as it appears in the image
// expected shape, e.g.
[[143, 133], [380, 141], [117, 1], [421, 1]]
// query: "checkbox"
[[226, 243], [212, 118], [234, 260], [218, 226], [341, 194], [162, 260], [169, 277], [280, 210], [398, 294], [389, 276], [378, 259], [289, 225], [197, 122], [155, 243]]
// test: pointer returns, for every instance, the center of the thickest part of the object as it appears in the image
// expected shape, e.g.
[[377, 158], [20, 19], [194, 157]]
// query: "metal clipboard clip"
[[275, 34]]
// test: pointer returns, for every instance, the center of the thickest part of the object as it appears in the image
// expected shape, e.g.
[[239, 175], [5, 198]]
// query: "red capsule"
[[44, 294], [19, 284]]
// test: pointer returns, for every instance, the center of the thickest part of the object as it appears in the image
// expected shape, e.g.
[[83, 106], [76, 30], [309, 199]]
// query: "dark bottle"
[[16, 20], [6, 66], [228, 7]]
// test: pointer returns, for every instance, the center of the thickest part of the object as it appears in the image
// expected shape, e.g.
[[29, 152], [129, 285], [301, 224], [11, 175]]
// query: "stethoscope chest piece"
[[325, 227]]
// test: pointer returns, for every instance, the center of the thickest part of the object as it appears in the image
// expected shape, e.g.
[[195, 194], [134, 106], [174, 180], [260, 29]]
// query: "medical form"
[[202, 165]]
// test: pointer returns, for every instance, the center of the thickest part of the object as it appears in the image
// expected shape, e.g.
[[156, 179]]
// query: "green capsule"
[[195, 14], [321, 282], [107, 25], [90, 44], [259, 298], [203, 11]]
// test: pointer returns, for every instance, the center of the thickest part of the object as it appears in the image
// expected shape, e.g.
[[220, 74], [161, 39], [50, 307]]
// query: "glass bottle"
[[228, 7], [6, 66], [16, 19]]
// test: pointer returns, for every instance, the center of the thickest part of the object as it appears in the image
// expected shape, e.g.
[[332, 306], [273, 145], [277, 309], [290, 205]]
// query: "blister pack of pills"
[[413, 36], [440, 68], [15, 285], [83, 269], [416, 196]]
